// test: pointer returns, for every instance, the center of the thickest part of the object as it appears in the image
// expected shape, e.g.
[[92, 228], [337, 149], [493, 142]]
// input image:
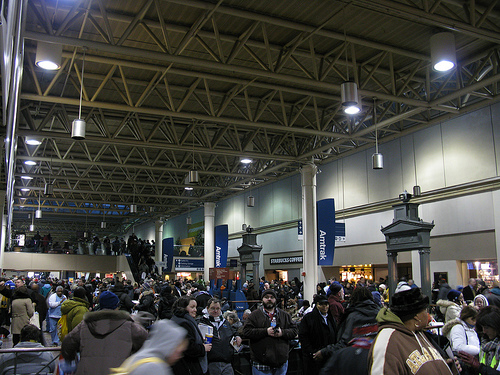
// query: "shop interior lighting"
[[48, 56], [443, 53], [79, 125]]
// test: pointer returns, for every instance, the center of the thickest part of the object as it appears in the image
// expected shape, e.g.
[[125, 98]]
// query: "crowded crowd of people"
[[180, 327]]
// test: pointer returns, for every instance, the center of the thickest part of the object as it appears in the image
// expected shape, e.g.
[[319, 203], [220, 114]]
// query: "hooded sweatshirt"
[[163, 339], [462, 337], [397, 350]]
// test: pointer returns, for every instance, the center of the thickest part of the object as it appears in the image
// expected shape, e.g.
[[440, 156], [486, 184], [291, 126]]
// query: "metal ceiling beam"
[[204, 64]]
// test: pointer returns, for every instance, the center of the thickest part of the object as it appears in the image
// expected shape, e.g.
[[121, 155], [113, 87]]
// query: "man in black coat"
[[316, 330], [469, 291]]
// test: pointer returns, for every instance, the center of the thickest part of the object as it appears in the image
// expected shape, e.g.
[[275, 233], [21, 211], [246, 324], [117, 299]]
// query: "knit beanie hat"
[[268, 291], [453, 295], [108, 300], [334, 288], [408, 303]]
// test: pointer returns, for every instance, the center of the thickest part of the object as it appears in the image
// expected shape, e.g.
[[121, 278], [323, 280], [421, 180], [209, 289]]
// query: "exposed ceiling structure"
[[171, 86]]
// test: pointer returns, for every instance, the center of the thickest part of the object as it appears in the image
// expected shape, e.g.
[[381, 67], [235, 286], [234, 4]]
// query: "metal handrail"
[[30, 350]]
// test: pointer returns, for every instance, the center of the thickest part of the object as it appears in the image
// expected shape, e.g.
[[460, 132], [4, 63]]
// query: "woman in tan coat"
[[22, 311]]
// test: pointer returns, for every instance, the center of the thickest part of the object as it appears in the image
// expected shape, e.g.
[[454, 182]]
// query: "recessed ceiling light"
[[25, 189], [27, 177], [30, 162]]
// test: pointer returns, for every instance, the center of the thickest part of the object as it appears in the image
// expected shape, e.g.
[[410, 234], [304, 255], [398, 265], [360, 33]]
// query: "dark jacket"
[[165, 306], [469, 293], [222, 350], [104, 339], [147, 302], [194, 361], [126, 303], [336, 307], [358, 321], [265, 349], [315, 334]]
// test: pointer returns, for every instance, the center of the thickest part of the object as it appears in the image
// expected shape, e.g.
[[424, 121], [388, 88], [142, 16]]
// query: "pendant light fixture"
[[79, 125], [193, 177], [49, 187], [38, 213], [377, 158], [32, 226], [443, 52], [250, 201], [48, 55], [349, 89], [103, 222], [133, 206]]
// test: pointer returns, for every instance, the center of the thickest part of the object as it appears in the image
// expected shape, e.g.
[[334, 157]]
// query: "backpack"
[[62, 326], [125, 369]]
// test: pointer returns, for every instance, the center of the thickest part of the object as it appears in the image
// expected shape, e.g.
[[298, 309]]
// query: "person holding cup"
[[220, 333], [195, 360]]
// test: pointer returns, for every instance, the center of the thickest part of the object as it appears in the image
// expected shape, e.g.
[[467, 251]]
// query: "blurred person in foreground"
[[28, 362], [104, 338], [162, 349], [401, 347]]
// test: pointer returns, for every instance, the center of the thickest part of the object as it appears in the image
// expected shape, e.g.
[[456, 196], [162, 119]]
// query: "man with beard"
[[269, 330]]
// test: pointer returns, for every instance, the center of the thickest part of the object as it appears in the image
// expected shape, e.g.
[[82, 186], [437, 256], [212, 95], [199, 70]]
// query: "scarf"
[[490, 350]]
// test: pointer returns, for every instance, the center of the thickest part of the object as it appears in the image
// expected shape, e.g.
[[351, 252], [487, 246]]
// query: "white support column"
[[3, 236], [158, 241], [309, 222], [496, 216], [415, 268], [209, 238]]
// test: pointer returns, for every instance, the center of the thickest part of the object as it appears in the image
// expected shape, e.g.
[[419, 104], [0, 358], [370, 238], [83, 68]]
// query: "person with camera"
[[269, 329]]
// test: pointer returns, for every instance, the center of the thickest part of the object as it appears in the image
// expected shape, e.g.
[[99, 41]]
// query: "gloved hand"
[[469, 360]]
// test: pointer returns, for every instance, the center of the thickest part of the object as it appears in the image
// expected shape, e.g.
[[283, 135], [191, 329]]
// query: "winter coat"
[[22, 310], [397, 350], [104, 339], [126, 303], [449, 309], [194, 361], [359, 320], [336, 308], [54, 302], [222, 350], [493, 296], [461, 337], [75, 309], [164, 337], [265, 349], [315, 334], [165, 306], [147, 302]]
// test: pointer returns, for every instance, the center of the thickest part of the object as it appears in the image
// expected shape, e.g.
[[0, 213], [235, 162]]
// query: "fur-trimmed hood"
[[103, 322], [445, 303], [448, 326]]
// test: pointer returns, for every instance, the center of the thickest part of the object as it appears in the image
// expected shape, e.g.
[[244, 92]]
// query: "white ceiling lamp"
[[79, 125], [48, 189], [189, 220], [193, 176], [32, 226], [38, 213], [349, 97], [25, 189], [26, 178], [133, 206], [103, 222], [33, 140], [246, 160], [30, 162], [188, 188], [250, 201], [377, 158], [443, 52], [48, 55]]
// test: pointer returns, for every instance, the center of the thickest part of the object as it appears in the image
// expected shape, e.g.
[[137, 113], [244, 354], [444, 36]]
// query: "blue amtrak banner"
[[326, 231], [167, 247], [221, 245]]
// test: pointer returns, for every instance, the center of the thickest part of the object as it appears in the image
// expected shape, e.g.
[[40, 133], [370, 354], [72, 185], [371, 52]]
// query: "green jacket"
[[75, 309]]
